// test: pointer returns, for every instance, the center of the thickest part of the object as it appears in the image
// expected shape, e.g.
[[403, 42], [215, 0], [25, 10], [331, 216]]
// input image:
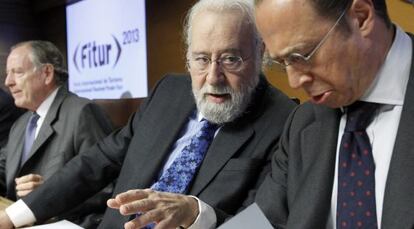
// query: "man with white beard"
[[180, 161]]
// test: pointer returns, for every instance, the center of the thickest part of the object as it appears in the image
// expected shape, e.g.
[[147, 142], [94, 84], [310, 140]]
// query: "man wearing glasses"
[[215, 145], [346, 156]]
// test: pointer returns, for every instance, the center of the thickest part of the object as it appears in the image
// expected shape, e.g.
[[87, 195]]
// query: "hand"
[[5, 222], [166, 210], [26, 184]]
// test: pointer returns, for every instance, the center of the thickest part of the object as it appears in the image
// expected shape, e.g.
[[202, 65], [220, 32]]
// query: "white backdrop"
[[107, 54]]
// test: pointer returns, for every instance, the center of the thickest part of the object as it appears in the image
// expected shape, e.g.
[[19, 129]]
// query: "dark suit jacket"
[[297, 194], [71, 126], [8, 114], [234, 164]]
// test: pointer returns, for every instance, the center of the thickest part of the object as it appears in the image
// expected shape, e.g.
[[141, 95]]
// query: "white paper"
[[251, 217], [63, 224]]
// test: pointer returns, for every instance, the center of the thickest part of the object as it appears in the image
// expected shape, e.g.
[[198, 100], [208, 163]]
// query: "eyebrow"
[[297, 48], [229, 50]]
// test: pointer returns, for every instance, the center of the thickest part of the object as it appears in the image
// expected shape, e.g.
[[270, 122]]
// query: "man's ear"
[[362, 14], [49, 73]]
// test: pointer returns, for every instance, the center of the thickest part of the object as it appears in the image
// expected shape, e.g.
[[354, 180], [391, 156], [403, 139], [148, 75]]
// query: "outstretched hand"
[[166, 210]]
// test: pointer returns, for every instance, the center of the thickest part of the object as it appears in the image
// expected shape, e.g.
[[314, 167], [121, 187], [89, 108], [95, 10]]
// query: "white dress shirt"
[[389, 89]]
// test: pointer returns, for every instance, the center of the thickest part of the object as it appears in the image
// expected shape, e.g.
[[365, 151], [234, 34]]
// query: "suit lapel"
[[155, 157], [46, 130], [398, 197], [15, 149], [318, 146], [228, 140]]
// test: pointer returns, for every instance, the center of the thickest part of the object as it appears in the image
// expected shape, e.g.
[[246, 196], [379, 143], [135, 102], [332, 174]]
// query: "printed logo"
[[93, 55]]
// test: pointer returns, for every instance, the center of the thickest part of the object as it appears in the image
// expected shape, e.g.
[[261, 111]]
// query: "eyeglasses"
[[230, 63], [297, 59]]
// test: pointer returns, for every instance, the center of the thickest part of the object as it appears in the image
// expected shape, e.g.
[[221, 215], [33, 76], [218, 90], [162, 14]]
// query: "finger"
[[166, 224], [28, 186], [112, 203], [23, 193], [137, 206], [131, 195], [29, 177], [152, 216]]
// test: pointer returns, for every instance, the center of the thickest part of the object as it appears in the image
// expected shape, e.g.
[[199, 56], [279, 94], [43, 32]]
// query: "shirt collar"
[[199, 116], [390, 84], [44, 107]]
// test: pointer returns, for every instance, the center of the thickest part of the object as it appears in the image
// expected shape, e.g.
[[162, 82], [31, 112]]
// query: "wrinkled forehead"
[[213, 31], [20, 56]]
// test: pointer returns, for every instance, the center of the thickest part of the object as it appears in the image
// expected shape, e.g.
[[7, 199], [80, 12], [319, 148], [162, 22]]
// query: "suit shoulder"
[[174, 80], [76, 103], [172, 85], [308, 113], [73, 98], [281, 100]]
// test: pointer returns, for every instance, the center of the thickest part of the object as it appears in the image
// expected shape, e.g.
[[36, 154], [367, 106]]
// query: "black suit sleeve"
[[221, 215], [85, 174], [272, 194]]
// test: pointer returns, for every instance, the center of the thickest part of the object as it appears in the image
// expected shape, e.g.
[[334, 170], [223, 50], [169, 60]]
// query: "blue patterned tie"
[[29, 136], [356, 206], [178, 176]]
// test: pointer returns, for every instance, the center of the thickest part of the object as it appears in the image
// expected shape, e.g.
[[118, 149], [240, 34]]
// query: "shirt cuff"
[[20, 214], [206, 218]]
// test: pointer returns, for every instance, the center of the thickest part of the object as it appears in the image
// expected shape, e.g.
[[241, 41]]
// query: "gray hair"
[[246, 7], [45, 52]]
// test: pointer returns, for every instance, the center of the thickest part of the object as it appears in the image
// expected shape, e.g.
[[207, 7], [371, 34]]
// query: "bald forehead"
[[288, 25], [20, 52], [286, 3], [286, 13]]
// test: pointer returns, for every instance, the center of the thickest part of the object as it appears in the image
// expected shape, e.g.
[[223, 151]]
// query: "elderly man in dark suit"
[[346, 158], [58, 125], [215, 145], [8, 114]]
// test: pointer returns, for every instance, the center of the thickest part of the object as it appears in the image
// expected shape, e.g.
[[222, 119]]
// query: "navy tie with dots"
[[356, 206], [29, 136], [178, 176]]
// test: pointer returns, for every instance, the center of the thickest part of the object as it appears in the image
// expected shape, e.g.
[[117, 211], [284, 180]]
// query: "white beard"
[[230, 109]]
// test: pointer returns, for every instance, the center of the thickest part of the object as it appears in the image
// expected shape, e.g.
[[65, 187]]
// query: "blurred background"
[[46, 19]]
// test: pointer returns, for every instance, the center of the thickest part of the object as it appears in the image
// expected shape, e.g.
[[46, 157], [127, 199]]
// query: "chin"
[[333, 104]]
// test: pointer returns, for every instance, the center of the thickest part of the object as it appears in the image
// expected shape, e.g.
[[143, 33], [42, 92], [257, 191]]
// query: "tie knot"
[[208, 127], [33, 119], [360, 115]]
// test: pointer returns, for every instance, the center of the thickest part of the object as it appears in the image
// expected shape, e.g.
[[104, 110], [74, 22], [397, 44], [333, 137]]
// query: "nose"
[[215, 74], [297, 78], [9, 81]]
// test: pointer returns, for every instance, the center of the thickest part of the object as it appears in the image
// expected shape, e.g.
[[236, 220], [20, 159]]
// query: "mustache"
[[220, 89]]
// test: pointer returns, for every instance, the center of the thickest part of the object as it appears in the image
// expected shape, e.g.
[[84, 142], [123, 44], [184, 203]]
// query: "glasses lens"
[[296, 60], [231, 63], [199, 63]]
